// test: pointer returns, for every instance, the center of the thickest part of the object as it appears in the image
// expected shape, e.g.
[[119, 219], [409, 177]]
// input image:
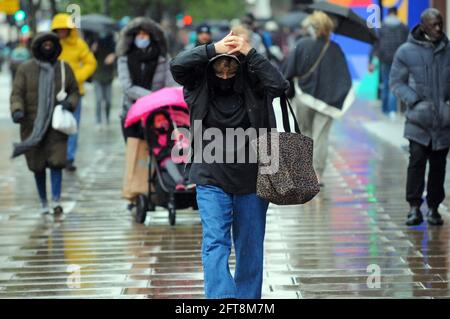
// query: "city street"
[[325, 249]]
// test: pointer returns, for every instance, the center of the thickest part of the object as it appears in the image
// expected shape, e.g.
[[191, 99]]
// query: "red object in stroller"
[[162, 188]]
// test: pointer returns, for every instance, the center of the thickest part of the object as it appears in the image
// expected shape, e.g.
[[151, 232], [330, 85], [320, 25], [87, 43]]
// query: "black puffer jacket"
[[258, 81], [420, 77]]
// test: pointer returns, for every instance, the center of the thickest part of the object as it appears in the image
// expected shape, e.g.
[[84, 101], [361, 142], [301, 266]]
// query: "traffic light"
[[25, 29], [187, 19], [20, 16]]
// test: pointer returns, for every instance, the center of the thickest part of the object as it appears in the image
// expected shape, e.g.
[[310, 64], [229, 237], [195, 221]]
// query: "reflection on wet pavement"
[[325, 249]]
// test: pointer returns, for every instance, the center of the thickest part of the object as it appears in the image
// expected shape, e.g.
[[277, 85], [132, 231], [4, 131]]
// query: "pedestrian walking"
[[392, 34], [420, 79], [77, 54], [19, 55], [203, 36], [104, 50], [321, 83], [143, 65], [33, 100], [228, 85]]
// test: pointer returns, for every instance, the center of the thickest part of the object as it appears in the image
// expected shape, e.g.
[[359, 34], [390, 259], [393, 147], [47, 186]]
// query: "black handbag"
[[293, 179]]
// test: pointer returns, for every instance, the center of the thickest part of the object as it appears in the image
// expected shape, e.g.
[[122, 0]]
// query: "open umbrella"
[[165, 97], [349, 23], [97, 23]]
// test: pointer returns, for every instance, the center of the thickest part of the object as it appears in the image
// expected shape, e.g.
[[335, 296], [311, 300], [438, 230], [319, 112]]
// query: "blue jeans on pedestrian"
[[41, 183], [245, 216], [72, 143], [388, 98]]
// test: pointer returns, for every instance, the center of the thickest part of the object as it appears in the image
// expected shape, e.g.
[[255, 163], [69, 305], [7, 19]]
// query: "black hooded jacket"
[[258, 82]]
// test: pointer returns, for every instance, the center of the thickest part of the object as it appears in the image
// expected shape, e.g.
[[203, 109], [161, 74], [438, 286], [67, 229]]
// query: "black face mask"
[[48, 54], [224, 85]]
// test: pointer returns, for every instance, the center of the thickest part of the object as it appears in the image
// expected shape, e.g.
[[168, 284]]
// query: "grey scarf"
[[45, 109]]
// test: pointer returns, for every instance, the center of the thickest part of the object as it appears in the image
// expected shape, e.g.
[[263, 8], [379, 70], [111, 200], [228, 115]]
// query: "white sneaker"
[[392, 116], [44, 209]]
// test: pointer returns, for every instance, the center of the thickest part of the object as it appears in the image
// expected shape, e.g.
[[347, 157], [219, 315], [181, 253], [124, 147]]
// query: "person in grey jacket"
[[143, 65], [420, 77]]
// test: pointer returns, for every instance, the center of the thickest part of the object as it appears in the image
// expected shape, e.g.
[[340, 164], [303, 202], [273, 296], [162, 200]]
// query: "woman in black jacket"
[[228, 85]]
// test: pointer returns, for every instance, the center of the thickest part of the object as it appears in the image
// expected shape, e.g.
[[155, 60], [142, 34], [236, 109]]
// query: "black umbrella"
[[97, 23], [349, 23]]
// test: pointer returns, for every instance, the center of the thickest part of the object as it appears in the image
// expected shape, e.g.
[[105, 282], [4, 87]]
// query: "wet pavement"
[[325, 249]]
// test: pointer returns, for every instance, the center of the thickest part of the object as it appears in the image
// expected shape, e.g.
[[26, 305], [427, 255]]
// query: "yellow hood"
[[75, 51]]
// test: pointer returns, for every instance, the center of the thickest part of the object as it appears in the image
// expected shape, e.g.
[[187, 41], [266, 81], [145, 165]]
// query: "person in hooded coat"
[[33, 99], [76, 52], [228, 85], [143, 65], [420, 77]]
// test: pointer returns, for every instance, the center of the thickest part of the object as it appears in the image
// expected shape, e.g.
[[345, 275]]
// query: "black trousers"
[[415, 185]]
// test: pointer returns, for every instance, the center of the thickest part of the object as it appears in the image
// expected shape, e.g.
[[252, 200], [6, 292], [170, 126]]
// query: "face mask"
[[142, 43], [47, 53], [224, 85]]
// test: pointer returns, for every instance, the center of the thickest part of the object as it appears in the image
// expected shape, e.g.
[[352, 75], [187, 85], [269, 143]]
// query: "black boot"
[[414, 216], [434, 218], [70, 167]]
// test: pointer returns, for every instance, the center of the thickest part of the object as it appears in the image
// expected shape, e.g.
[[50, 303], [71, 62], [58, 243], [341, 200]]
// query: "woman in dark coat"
[[33, 98], [226, 91], [143, 65]]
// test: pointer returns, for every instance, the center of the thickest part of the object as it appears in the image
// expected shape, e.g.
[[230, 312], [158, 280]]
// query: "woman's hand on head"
[[238, 44], [221, 47]]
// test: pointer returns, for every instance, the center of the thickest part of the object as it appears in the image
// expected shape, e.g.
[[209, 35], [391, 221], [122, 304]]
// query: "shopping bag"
[[64, 121], [136, 175]]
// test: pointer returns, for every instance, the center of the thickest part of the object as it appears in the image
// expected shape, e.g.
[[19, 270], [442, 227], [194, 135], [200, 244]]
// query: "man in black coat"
[[420, 77]]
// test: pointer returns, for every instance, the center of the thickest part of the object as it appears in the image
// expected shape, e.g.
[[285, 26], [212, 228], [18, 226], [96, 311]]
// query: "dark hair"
[[393, 10], [226, 64], [429, 13]]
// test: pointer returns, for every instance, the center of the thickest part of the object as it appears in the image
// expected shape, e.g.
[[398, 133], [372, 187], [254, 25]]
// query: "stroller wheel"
[[141, 209], [172, 216]]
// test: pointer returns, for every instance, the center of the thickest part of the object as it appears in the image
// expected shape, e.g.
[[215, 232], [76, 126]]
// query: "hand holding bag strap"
[[61, 96], [316, 64]]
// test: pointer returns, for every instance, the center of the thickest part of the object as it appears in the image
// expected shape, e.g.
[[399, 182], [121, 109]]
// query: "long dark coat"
[[51, 152]]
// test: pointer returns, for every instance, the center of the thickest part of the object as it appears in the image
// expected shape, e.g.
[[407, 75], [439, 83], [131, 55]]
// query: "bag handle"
[[62, 93], [286, 108], [284, 101], [316, 64]]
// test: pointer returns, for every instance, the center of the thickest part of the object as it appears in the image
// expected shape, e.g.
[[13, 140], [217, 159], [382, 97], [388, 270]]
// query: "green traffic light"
[[20, 15], [25, 28]]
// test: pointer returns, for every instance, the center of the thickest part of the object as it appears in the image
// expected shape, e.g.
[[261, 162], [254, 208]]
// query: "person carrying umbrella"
[[320, 81]]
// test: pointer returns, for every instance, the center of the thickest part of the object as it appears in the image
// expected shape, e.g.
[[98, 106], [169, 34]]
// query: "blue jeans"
[[220, 213], [56, 178], [388, 98], [72, 143]]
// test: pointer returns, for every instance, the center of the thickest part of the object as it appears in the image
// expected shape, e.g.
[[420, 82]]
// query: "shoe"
[[392, 116], [58, 210], [414, 217], [45, 210], [434, 218], [70, 167]]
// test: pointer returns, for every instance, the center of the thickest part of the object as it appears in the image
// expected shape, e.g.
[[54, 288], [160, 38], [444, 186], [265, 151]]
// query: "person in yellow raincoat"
[[77, 54]]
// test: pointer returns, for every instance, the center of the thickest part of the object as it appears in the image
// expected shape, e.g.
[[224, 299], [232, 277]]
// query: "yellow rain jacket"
[[75, 51]]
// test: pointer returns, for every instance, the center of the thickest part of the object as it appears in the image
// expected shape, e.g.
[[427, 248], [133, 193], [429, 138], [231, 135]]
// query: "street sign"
[[9, 6]]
